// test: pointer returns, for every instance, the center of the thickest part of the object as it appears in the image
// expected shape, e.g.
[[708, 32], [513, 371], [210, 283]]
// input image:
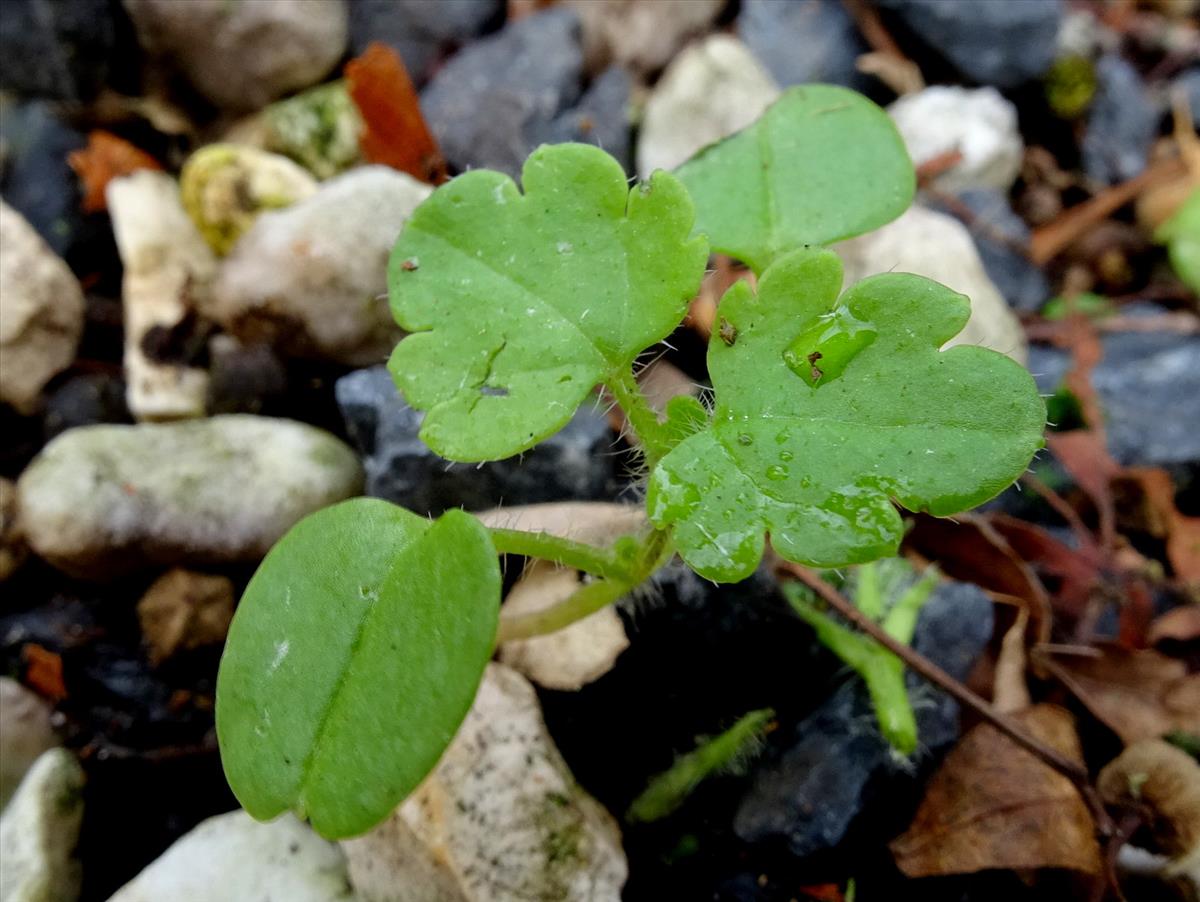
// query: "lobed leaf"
[[827, 410], [823, 163], [522, 303], [353, 658]]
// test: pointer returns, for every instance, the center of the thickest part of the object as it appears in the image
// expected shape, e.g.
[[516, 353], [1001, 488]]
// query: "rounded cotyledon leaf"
[[521, 303], [823, 163], [354, 655], [828, 410]]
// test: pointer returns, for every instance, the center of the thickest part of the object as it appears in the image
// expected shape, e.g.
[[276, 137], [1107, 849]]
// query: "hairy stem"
[[934, 674], [647, 428], [557, 550]]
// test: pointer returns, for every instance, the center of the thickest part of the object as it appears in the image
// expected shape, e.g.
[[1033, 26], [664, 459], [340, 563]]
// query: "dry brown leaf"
[[105, 158], [184, 610], [725, 271], [992, 804], [1165, 780], [394, 130], [1147, 503], [1009, 690], [1138, 694], [659, 381], [598, 522], [1179, 625]]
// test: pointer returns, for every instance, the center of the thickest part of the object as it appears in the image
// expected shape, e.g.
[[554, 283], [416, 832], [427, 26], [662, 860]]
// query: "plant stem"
[[644, 422], [934, 674], [547, 547]]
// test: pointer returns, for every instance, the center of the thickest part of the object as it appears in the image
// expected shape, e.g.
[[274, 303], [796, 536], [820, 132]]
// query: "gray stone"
[[25, 733], [55, 49], [421, 31], [999, 234], [105, 499], [836, 767], [488, 103], [1189, 85], [233, 856], [1149, 386], [39, 830], [804, 41], [601, 118], [243, 55], [993, 42], [312, 279], [41, 314], [1122, 123], [575, 463]]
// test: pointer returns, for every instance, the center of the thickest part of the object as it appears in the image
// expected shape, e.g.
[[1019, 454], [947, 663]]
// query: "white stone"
[[502, 812], [25, 733], [711, 90], [640, 35], [168, 269], [313, 277], [977, 122], [569, 658], [41, 312], [243, 54], [39, 830], [939, 247], [232, 856], [390, 864], [98, 500]]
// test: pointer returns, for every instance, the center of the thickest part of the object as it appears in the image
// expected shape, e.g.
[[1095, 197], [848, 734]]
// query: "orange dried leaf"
[[394, 131], [105, 158], [992, 804], [1137, 694], [44, 672]]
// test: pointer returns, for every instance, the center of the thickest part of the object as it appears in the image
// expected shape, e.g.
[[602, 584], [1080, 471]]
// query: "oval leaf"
[[353, 658], [822, 164], [828, 409], [522, 303]]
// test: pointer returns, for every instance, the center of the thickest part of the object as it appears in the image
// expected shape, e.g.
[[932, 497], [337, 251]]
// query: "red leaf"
[[44, 672], [394, 133], [105, 158]]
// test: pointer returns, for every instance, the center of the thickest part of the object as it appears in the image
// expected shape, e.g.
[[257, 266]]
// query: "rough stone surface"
[[641, 35], [243, 55], [1149, 386], [58, 50], [183, 610], [390, 864], [505, 814], [421, 31], [600, 118], [569, 658], [803, 41], [41, 312], [575, 463], [312, 279], [489, 102], [234, 856], [815, 782], [1122, 123], [711, 90], [999, 234], [979, 123], [39, 830], [939, 247], [168, 268], [103, 499], [25, 733], [13, 549], [992, 42], [34, 176]]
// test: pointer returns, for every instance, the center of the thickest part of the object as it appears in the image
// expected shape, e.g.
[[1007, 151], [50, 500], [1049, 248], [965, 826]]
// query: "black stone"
[[804, 41], [85, 399], [991, 42], [1121, 125], [576, 463], [490, 102], [59, 49], [600, 118]]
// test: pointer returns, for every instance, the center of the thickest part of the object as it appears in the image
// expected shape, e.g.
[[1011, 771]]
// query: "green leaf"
[[522, 303], [822, 164], [353, 658], [1182, 235], [816, 459]]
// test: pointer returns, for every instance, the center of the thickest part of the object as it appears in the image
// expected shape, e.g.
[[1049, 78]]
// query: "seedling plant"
[[360, 642]]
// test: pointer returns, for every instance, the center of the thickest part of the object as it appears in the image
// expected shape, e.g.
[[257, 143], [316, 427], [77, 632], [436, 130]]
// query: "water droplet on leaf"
[[822, 352]]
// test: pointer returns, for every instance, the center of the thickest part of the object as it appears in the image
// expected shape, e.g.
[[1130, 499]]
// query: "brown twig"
[[922, 666]]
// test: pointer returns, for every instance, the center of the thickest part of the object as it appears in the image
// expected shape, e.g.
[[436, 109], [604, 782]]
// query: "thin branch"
[[921, 665]]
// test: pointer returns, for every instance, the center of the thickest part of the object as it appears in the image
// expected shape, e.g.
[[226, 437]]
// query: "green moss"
[[1070, 86]]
